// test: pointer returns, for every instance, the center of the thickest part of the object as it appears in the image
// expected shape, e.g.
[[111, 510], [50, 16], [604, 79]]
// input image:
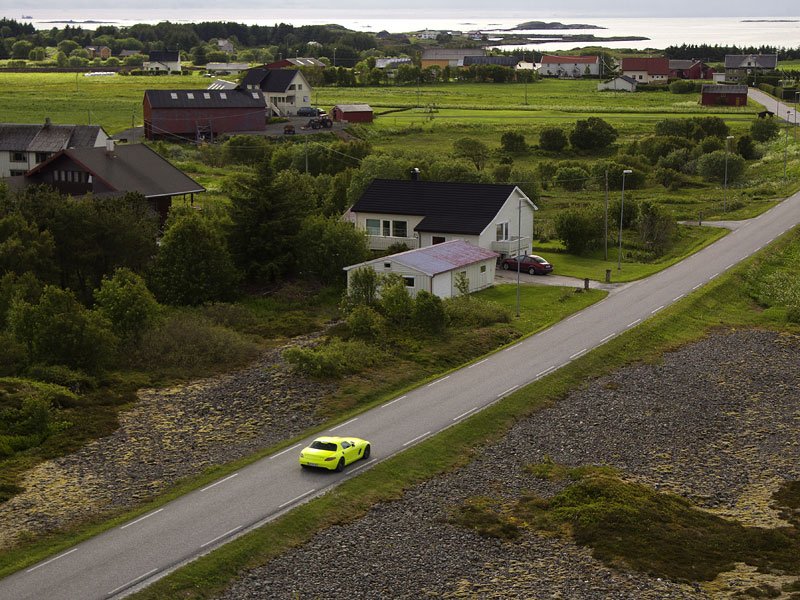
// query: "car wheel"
[[340, 465], [532, 271], [505, 266], [366, 452], [306, 467]]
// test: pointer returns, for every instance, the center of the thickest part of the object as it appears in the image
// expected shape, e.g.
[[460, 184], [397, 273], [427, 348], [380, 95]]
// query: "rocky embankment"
[[716, 421]]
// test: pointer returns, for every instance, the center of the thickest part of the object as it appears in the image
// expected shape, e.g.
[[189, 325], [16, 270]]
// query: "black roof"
[[17, 137], [204, 99], [268, 80], [724, 89], [505, 61], [448, 207], [164, 56]]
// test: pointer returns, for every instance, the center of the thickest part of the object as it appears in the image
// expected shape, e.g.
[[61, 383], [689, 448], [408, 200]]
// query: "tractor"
[[320, 122]]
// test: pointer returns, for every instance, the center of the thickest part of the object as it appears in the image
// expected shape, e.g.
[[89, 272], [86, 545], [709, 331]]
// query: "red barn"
[[202, 114], [724, 95], [353, 113], [690, 69]]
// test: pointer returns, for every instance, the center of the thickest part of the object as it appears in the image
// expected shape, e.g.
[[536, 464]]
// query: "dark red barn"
[[353, 113], [202, 114], [724, 95]]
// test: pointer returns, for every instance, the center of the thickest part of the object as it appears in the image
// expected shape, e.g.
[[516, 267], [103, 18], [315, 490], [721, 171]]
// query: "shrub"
[[127, 303], [13, 355], [655, 147], [712, 166], [501, 173], [474, 312], [473, 150], [676, 159], [592, 134], [513, 142], [552, 139], [669, 178], [634, 180], [74, 380], [572, 179], [333, 359], [657, 228], [793, 313], [364, 322], [362, 289], [763, 130], [682, 86], [429, 313], [231, 316], [747, 149], [579, 229], [709, 145], [395, 302]]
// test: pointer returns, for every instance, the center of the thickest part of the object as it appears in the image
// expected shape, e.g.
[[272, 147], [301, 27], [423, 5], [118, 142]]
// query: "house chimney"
[[109, 146], [415, 174]]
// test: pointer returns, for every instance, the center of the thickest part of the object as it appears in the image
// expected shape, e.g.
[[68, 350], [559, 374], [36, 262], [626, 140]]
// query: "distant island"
[[74, 22], [769, 21], [554, 25]]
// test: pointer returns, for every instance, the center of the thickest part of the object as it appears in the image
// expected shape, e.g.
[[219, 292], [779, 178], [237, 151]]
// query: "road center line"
[[419, 437], [547, 370], [438, 381], [51, 560], [634, 323], [393, 401], [343, 424], [284, 451], [577, 354], [678, 297], [219, 537], [464, 414], [298, 498], [508, 391], [608, 337], [208, 487], [478, 363], [697, 286], [142, 518], [654, 311], [714, 275], [357, 469], [729, 266], [131, 582]]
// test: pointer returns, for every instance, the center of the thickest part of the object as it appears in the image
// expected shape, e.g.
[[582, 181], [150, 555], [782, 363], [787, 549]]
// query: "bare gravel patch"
[[716, 421]]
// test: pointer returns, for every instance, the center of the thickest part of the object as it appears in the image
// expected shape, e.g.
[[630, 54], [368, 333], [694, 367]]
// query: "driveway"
[[782, 110], [509, 276]]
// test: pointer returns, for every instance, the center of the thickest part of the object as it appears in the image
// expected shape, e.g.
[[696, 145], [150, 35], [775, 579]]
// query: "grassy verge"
[[723, 302]]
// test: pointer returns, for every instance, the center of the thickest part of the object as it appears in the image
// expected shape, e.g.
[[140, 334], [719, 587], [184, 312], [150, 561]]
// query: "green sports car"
[[334, 453]]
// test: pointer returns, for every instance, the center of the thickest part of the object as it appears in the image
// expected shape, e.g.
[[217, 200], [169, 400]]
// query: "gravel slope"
[[716, 421]]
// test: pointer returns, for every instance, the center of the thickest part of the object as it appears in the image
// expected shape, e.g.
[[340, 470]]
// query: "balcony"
[[380, 242], [509, 247]]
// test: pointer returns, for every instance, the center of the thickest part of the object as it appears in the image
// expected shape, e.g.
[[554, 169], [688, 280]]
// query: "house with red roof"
[[647, 70], [570, 66]]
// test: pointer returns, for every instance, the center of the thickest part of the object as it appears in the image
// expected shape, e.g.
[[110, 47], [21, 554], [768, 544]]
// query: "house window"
[[173, 95], [502, 232], [42, 156], [387, 265], [206, 96], [373, 226], [400, 229], [15, 172], [190, 95], [409, 281], [483, 268], [387, 229], [223, 95], [437, 239], [18, 157], [299, 86], [292, 87]]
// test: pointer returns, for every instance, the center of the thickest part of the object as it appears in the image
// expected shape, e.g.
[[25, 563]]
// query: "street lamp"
[[621, 213], [786, 147], [725, 184], [334, 57], [796, 100], [519, 245]]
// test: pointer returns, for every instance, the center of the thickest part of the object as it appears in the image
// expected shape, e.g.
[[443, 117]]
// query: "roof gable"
[[741, 61], [270, 80], [652, 66], [47, 137], [438, 258]]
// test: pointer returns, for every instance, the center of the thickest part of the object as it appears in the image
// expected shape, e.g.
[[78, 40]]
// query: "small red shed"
[[353, 113], [724, 95]]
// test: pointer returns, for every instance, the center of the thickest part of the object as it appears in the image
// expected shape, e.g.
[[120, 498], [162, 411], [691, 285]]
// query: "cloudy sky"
[[526, 9]]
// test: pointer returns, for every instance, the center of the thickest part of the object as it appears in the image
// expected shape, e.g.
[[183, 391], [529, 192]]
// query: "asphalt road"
[[137, 553]]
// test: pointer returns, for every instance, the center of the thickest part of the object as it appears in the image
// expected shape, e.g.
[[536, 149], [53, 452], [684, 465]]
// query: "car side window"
[[345, 445]]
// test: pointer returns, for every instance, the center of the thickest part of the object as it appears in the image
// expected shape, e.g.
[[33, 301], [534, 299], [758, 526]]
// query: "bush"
[[676, 159], [656, 147], [396, 302], [552, 139], [429, 313], [73, 380], [474, 312], [793, 313], [682, 86], [230, 316], [657, 228], [669, 178], [592, 134], [712, 166], [364, 322], [709, 145], [580, 229], [334, 359], [747, 149], [764, 130], [127, 303], [633, 181], [513, 142], [572, 179]]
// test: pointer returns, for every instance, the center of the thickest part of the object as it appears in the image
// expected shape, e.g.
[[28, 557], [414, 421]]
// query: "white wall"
[[510, 213], [426, 238]]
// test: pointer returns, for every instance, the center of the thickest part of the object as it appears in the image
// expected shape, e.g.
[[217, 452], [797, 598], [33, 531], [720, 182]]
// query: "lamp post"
[[621, 213], [796, 100], [725, 184], [786, 147], [334, 57], [519, 245]]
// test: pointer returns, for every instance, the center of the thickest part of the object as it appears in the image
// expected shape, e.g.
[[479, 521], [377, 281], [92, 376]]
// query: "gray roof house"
[[741, 65], [22, 147], [284, 90], [436, 269], [497, 217], [163, 61], [623, 83]]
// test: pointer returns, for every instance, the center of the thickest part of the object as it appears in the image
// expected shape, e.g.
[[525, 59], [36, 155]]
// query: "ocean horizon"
[[660, 31]]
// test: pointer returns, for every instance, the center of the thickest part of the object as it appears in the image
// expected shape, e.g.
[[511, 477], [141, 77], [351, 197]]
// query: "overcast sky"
[[462, 9]]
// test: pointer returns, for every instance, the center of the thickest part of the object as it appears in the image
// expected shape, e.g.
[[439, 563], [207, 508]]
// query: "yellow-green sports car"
[[334, 453]]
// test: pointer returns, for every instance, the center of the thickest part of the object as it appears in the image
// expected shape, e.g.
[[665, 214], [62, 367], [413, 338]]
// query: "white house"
[[570, 66], [284, 90], [163, 61], [620, 84], [436, 269], [22, 147], [497, 217], [647, 70]]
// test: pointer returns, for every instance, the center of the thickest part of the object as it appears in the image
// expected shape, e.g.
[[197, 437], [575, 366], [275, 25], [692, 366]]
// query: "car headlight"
[[301, 455], [330, 458]]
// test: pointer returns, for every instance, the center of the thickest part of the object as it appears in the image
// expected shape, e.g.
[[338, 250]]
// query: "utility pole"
[[306, 152], [605, 219]]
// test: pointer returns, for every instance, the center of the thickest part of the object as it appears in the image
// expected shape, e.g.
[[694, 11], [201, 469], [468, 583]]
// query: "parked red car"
[[535, 265]]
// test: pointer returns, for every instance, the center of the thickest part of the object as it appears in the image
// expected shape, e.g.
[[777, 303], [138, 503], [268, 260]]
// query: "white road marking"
[[572, 317], [478, 363], [369, 462], [511, 389], [419, 437], [284, 451], [462, 415], [438, 381], [343, 424], [676, 298], [51, 560], [634, 323], [728, 267], [512, 347], [142, 518], [714, 275], [393, 401], [697, 286], [577, 354], [296, 499], [219, 537], [545, 371], [654, 311], [757, 249], [131, 582], [608, 337], [208, 487]]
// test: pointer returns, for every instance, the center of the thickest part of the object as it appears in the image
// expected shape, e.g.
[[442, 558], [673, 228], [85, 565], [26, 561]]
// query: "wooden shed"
[[353, 113], [724, 95]]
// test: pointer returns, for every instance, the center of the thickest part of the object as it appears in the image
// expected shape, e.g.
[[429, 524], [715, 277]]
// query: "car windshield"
[[317, 445]]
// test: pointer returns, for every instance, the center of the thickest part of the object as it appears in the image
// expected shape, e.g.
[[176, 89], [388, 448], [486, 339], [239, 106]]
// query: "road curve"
[[130, 556]]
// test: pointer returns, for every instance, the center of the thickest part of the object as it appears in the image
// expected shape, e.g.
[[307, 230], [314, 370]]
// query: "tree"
[[429, 314], [193, 265], [330, 244], [657, 228], [513, 142], [592, 134], [127, 303], [21, 49], [763, 130], [396, 302], [362, 289], [712, 166], [579, 229], [572, 178], [747, 148], [472, 150], [552, 139], [37, 54], [59, 330], [24, 248], [67, 46]]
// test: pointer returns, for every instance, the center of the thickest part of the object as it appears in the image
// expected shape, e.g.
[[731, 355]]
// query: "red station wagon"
[[535, 265]]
